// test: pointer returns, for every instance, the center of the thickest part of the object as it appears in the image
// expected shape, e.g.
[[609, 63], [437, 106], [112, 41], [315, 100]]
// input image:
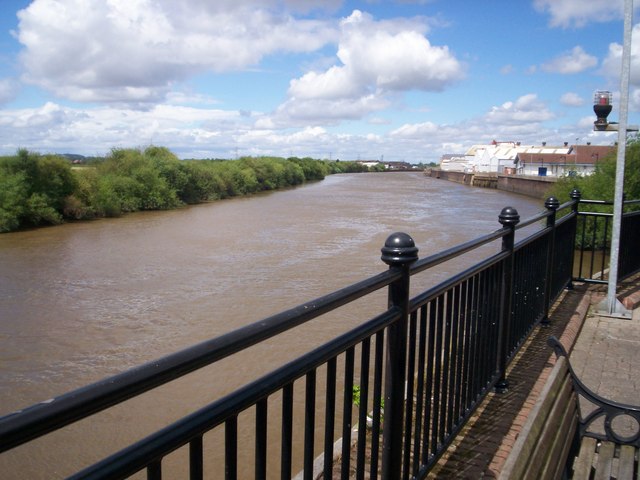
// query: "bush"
[[37, 190]]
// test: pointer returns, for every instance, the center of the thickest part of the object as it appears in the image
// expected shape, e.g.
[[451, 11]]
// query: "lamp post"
[[611, 306]]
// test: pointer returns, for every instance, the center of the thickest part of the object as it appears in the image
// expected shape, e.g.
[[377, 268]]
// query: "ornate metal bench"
[[573, 432]]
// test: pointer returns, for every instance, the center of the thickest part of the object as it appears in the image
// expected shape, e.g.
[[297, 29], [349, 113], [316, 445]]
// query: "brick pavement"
[[606, 354]]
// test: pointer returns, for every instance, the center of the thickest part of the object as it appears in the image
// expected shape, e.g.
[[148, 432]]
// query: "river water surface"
[[82, 301]]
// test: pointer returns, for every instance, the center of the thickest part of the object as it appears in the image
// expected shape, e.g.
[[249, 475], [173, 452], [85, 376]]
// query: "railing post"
[[575, 196], [399, 252], [509, 218], [551, 204]]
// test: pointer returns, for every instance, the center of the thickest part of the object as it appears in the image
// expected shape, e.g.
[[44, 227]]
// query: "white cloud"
[[377, 60], [374, 56], [416, 130], [572, 99], [53, 127], [577, 13], [326, 111], [575, 61], [134, 51], [526, 110], [612, 64]]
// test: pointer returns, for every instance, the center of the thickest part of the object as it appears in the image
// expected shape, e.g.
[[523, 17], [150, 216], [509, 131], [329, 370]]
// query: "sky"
[[396, 80]]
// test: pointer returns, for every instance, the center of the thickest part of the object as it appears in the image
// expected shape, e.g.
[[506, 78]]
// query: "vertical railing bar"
[[582, 239], [455, 359], [408, 430], [286, 453], [462, 352], [261, 439], [329, 425], [522, 297], [453, 351], [420, 389], [309, 423], [483, 322], [347, 408], [231, 448], [437, 374], [446, 394], [488, 330], [365, 358], [605, 247], [551, 204], [154, 470], [497, 278], [472, 338], [196, 471], [377, 398], [593, 247], [475, 361], [427, 448]]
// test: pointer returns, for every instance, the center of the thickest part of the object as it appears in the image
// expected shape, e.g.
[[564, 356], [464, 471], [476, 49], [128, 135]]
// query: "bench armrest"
[[609, 409]]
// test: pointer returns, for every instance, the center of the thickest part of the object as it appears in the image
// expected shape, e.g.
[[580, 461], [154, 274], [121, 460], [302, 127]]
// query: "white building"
[[513, 158], [453, 163]]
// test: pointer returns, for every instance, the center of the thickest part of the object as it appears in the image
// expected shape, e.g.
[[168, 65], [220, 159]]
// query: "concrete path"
[[606, 357]]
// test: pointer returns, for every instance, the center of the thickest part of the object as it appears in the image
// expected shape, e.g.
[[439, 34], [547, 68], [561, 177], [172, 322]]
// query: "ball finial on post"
[[575, 194], [509, 217], [552, 203], [399, 249]]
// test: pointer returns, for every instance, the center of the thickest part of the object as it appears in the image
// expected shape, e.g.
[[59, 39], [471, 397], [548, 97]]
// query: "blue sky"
[[399, 80]]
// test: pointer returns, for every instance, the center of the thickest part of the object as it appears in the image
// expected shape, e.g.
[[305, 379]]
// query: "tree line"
[[37, 190]]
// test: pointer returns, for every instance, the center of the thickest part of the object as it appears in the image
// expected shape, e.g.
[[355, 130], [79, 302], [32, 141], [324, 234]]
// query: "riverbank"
[[536, 187], [41, 190]]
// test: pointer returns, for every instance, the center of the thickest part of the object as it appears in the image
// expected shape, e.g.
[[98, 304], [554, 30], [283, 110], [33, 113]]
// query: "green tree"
[[13, 197], [35, 189]]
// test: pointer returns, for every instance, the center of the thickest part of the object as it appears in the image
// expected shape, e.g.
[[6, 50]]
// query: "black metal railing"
[[593, 240], [419, 368]]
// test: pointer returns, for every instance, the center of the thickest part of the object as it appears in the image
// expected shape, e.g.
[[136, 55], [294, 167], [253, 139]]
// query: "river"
[[82, 301]]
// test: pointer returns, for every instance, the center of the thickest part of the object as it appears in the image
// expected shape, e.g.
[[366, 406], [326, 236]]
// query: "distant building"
[[453, 162], [580, 160], [513, 158], [368, 163], [398, 166]]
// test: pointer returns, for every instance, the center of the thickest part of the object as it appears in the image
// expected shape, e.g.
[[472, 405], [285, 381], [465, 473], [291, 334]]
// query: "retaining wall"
[[531, 186]]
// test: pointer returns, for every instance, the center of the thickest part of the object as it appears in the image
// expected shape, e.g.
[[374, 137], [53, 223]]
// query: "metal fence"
[[383, 400], [593, 240]]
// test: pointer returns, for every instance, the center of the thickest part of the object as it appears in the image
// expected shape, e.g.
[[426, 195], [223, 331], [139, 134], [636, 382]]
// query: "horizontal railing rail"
[[390, 394]]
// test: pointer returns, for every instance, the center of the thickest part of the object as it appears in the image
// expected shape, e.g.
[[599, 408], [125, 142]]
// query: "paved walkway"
[[606, 355]]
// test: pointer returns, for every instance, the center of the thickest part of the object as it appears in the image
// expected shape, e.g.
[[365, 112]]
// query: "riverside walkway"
[[605, 354]]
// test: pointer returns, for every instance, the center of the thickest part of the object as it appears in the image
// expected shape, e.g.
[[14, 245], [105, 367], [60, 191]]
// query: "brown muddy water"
[[83, 301]]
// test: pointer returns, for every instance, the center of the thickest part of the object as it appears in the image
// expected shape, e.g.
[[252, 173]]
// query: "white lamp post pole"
[[612, 305]]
